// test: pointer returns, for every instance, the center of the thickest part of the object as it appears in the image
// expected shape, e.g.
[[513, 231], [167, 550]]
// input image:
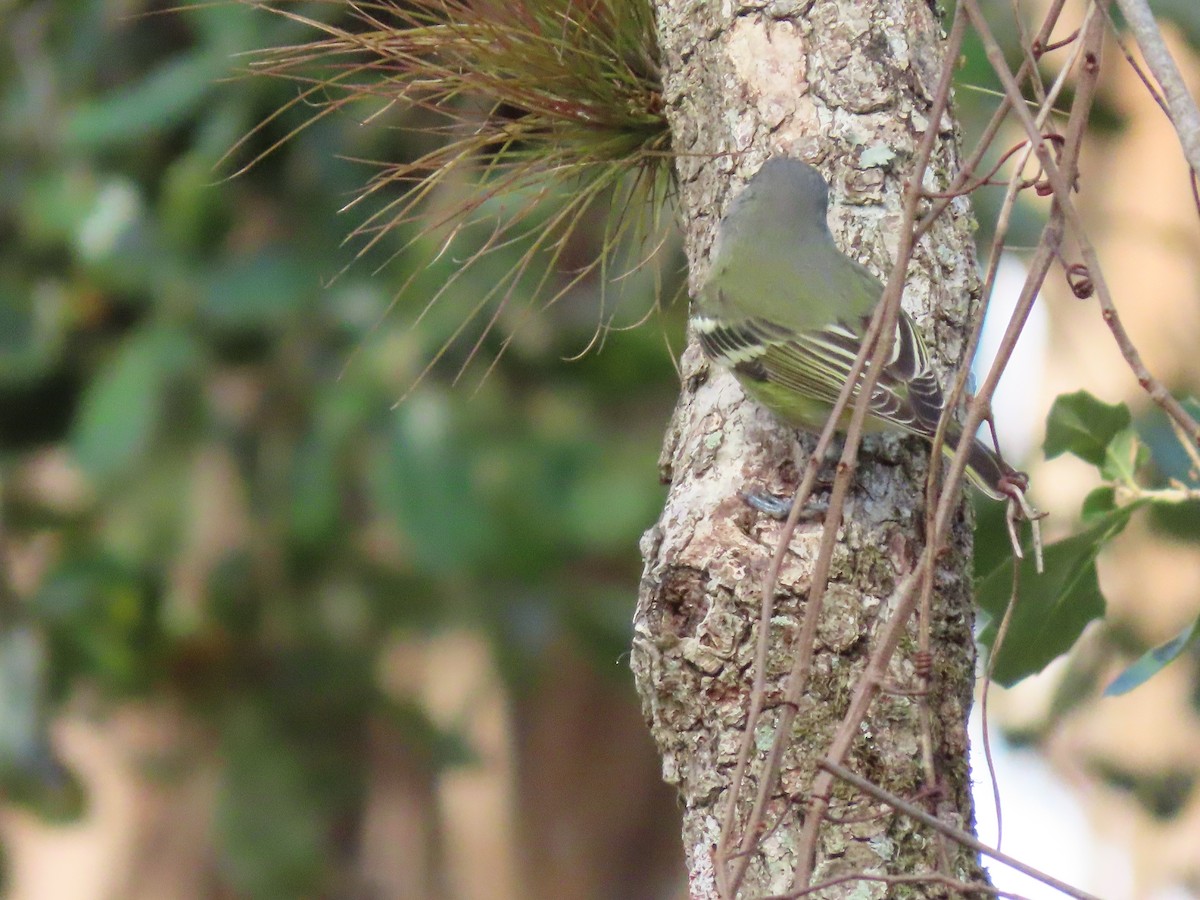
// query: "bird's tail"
[[986, 469]]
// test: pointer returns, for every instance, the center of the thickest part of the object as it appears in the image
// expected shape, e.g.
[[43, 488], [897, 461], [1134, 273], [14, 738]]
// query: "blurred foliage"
[[208, 495]]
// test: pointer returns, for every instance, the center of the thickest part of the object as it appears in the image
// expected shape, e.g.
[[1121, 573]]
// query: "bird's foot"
[[1014, 485], [778, 507]]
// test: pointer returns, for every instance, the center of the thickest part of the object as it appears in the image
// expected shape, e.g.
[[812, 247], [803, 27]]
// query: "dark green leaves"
[[426, 479], [1053, 608], [1081, 424], [1123, 456], [127, 405], [162, 99], [100, 620], [269, 288], [1050, 610]]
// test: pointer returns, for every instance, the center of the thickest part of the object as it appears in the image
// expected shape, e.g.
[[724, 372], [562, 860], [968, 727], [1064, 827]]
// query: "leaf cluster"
[[1050, 611]]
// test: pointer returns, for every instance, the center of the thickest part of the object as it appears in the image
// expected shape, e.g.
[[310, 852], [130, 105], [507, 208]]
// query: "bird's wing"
[[816, 364], [911, 368]]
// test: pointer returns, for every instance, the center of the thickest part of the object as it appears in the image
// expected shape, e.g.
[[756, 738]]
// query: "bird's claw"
[[1013, 486]]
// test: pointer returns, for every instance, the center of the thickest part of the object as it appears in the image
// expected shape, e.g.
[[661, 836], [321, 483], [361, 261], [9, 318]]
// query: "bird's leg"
[[778, 507], [991, 424], [987, 417]]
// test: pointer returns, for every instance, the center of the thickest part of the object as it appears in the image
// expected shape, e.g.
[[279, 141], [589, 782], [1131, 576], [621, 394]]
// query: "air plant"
[[540, 112]]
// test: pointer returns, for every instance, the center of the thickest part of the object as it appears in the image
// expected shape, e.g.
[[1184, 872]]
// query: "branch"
[[887, 314], [875, 346], [957, 834], [1062, 191], [1184, 115]]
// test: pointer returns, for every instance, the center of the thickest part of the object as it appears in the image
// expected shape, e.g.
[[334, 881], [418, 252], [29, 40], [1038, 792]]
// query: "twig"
[[1079, 112], [964, 888], [956, 834], [1082, 103], [1030, 52], [992, 129], [1133, 64], [1184, 114], [903, 600], [728, 886], [876, 344], [1177, 493], [997, 643], [802, 660], [890, 303], [1062, 190], [1048, 250]]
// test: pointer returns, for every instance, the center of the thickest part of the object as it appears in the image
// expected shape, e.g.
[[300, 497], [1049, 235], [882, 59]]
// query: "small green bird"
[[786, 311]]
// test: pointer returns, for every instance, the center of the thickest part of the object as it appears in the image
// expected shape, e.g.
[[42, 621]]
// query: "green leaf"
[[1170, 462], [263, 290], [270, 833], [163, 99], [1099, 503], [316, 496], [55, 204], [124, 407], [1170, 458], [34, 321], [992, 547], [1051, 609], [100, 620], [1153, 661], [424, 480], [1079, 423], [191, 213], [609, 504], [1124, 456]]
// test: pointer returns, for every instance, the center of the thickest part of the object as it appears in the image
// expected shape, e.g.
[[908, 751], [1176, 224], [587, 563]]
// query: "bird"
[[786, 312]]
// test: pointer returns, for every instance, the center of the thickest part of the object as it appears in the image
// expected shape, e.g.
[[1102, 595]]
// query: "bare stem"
[[962, 837], [1182, 107], [890, 306], [1062, 187]]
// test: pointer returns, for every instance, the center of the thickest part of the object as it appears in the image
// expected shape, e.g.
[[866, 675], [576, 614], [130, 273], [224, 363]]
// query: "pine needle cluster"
[[536, 115]]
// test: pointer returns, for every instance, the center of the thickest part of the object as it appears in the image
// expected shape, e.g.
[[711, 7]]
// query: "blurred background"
[[266, 633]]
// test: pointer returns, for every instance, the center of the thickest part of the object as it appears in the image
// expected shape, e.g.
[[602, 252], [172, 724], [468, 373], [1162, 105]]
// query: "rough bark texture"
[[843, 84]]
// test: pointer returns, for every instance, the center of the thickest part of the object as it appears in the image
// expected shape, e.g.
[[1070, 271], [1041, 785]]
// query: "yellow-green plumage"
[[785, 310]]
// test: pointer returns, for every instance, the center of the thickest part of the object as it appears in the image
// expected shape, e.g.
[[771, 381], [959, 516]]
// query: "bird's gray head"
[[784, 195]]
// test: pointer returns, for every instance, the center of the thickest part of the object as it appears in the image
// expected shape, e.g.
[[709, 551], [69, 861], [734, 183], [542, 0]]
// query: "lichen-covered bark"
[[844, 84]]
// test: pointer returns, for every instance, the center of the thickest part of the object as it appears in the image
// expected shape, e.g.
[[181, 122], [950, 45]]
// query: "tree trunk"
[[846, 85]]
